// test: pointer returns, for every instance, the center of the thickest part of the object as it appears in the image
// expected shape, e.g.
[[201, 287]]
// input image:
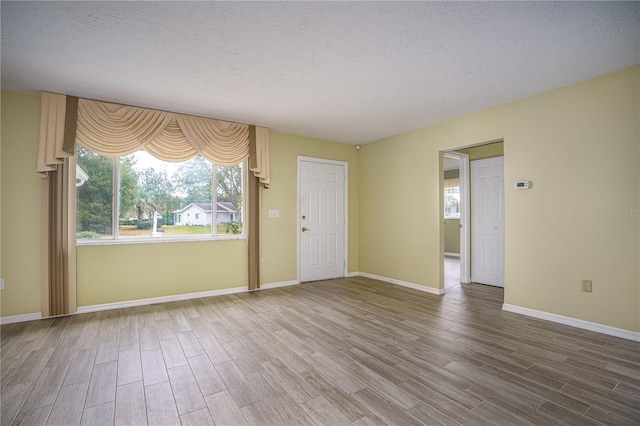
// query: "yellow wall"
[[579, 145], [20, 193], [122, 272], [279, 235], [452, 235]]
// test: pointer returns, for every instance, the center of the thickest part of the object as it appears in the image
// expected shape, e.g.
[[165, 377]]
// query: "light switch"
[[274, 213]]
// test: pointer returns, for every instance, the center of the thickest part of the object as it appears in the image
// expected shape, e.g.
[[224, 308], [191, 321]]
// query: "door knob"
[[305, 229]]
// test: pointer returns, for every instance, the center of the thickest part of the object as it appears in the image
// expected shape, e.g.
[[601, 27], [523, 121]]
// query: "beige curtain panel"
[[58, 268], [259, 155], [57, 166], [57, 128]]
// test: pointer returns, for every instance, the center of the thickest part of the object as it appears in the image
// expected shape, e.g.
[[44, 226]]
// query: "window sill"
[[156, 240], [452, 217]]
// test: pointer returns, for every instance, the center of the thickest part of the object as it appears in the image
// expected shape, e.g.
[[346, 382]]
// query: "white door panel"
[[322, 220], [487, 221]]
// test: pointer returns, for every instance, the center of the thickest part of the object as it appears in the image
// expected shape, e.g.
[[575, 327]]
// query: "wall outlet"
[[274, 213], [1, 283], [587, 286], [261, 261]]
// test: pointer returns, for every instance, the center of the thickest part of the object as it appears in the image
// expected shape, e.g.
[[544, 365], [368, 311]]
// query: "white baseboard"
[[403, 283], [352, 274], [187, 296], [574, 322], [20, 318], [162, 299], [148, 301], [446, 254], [279, 284]]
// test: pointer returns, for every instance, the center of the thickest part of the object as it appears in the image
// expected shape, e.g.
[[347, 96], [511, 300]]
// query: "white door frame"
[[465, 215], [346, 211]]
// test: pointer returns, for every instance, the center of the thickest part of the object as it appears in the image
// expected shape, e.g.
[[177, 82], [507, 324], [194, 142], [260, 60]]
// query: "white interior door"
[[322, 220], [487, 221]]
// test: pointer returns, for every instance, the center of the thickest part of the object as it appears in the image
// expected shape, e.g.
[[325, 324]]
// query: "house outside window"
[[124, 196]]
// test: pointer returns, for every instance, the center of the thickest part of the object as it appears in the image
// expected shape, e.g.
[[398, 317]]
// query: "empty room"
[[331, 213]]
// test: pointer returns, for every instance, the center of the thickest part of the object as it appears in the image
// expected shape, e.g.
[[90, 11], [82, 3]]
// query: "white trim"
[[352, 274], [574, 322], [148, 301], [20, 318], [403, 283], [447, 254], [465, 215], [346, 210], [154, 240], [279, 284], [161, 299]]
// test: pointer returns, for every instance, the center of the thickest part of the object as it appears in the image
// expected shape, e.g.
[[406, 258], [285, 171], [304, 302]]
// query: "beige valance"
[[116, 130]]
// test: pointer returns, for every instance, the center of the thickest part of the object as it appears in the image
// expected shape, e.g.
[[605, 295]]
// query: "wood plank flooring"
[[345, 351]]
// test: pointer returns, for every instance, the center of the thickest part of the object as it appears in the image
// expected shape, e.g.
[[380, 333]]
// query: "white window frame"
[[116, 240]]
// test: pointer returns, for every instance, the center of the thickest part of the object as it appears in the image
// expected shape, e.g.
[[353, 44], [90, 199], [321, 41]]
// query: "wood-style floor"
[[339, 352]]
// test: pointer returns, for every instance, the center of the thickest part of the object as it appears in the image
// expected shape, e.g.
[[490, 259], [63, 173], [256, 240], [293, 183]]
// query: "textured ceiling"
[[349, 72]]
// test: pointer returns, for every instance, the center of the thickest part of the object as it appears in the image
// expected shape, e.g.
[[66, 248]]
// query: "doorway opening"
[[458, 217]]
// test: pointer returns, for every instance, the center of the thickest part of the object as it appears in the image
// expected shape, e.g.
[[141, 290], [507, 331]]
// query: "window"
[[452, 198], [139, 197]]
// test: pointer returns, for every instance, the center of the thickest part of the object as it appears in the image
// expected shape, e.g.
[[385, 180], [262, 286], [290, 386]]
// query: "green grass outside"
[[130, 231]]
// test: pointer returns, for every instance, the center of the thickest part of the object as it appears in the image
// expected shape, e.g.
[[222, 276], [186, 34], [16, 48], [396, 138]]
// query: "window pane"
[[158, 198], [451, 198], [229, 206], [95, 195]]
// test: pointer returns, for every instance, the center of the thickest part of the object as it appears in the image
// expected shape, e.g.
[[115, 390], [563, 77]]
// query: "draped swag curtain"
[[116, 130], [450, 185]]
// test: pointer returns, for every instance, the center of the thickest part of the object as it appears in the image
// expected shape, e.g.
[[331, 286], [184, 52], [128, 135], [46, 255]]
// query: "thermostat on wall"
[[521, 184]]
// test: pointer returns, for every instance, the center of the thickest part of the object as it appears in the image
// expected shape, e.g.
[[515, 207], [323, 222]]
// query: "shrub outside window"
[[138, 197]]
